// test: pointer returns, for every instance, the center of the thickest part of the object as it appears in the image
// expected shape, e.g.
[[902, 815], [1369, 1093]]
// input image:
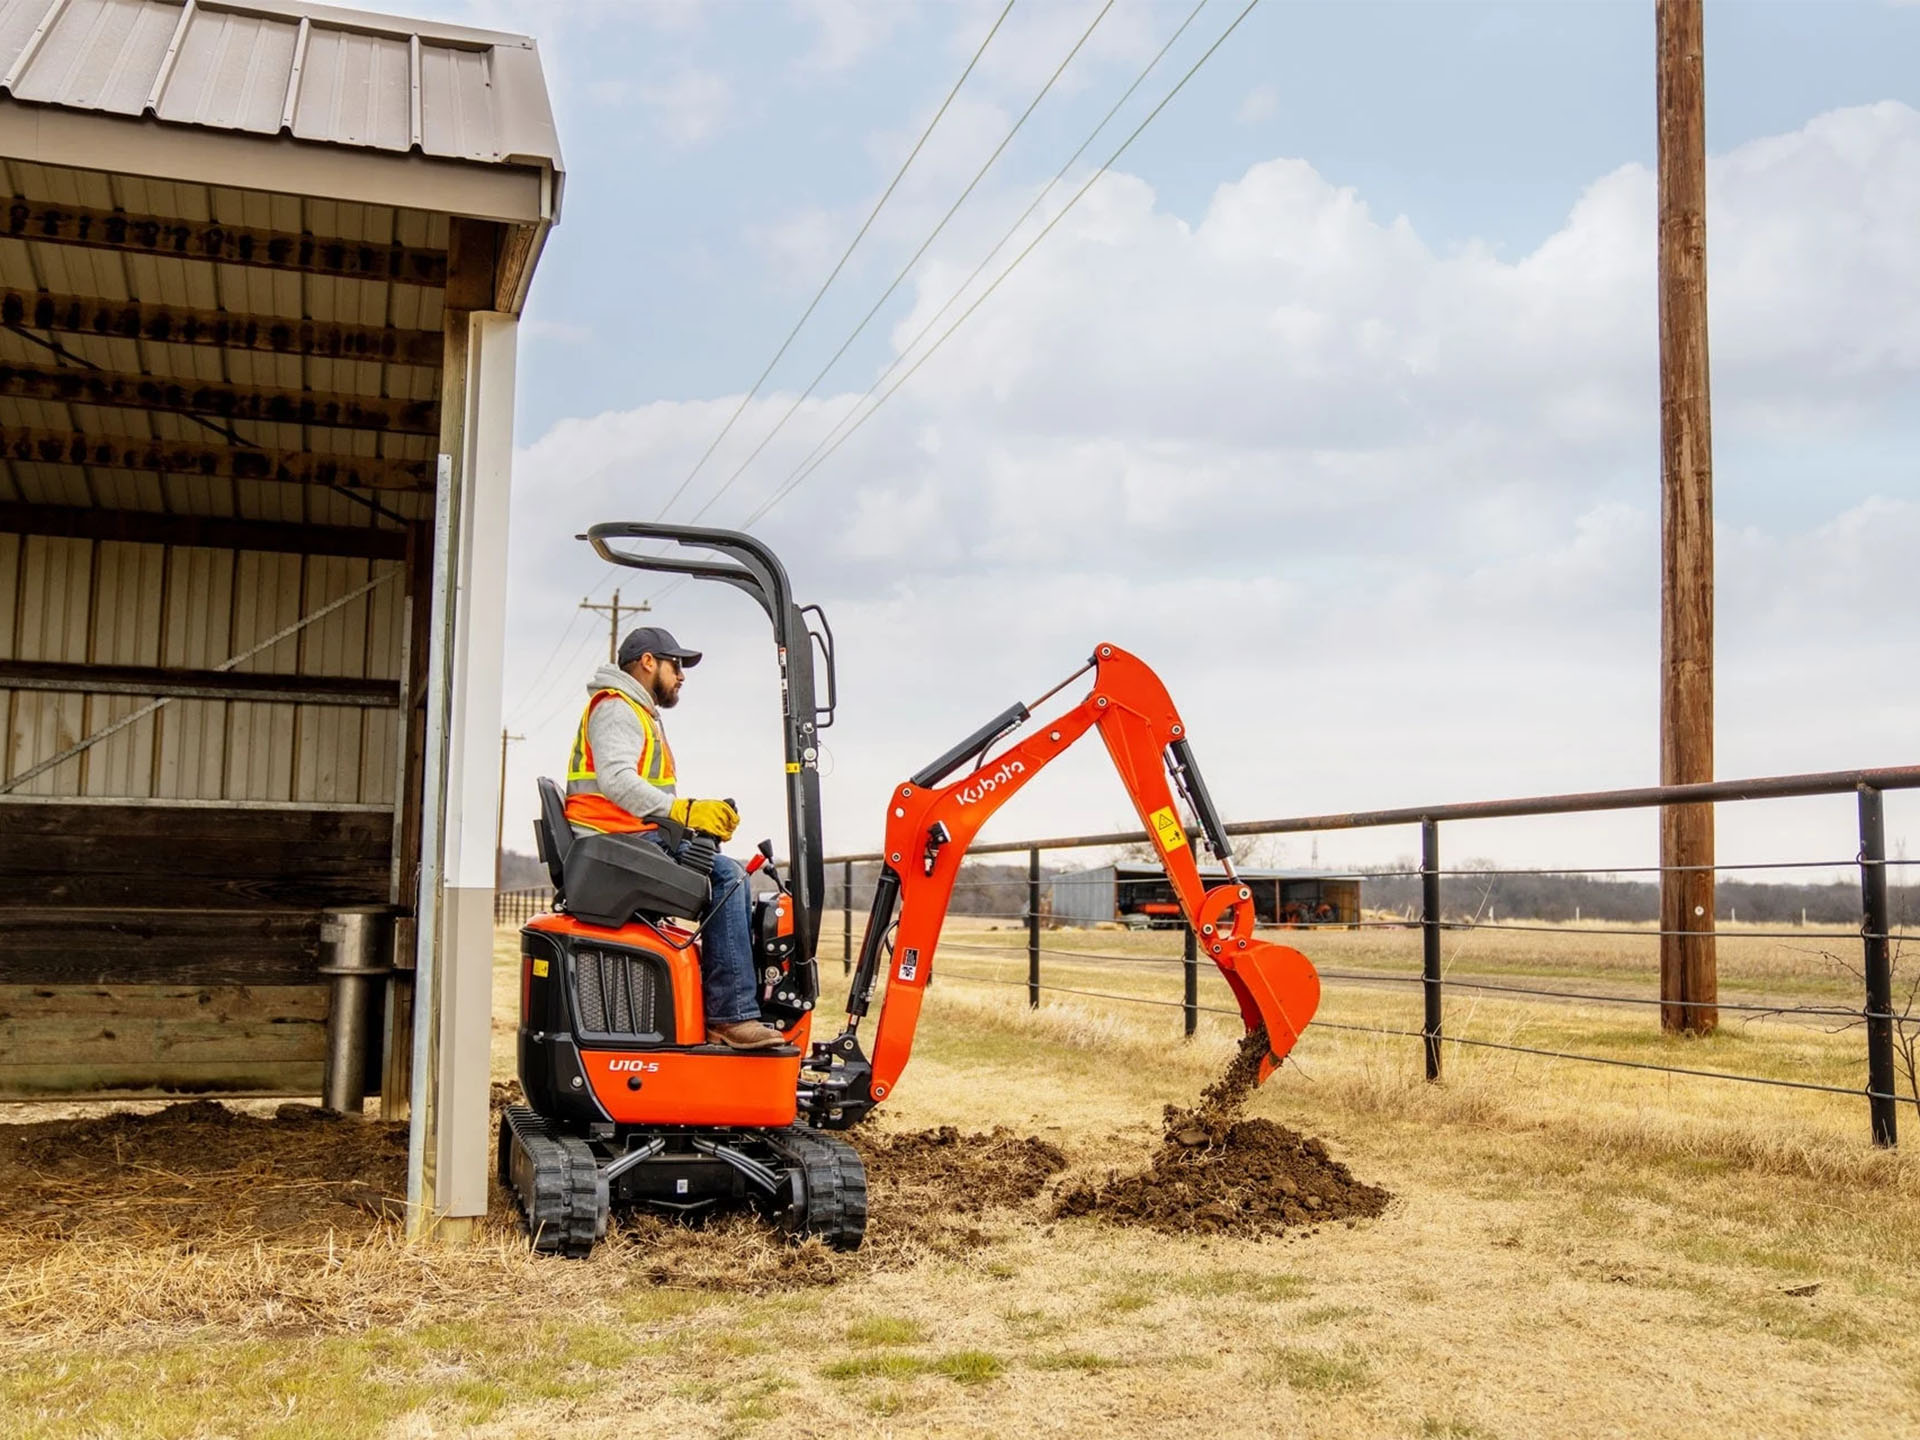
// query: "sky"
[[1335, 398]]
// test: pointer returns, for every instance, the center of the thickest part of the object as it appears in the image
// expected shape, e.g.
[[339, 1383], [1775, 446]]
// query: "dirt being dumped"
[[198, 1170], [1217, 1173]]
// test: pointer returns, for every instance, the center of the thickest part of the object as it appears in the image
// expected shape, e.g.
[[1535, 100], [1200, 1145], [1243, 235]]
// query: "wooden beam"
[[205, 532], [1689, 983], [198, 684], [159, 947], [209, 240], [239, 462], [160, 1080], [158, 856], [217, 399], [222, 329]]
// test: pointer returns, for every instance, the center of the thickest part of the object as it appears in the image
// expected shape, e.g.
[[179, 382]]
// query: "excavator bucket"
[[1278, 988]]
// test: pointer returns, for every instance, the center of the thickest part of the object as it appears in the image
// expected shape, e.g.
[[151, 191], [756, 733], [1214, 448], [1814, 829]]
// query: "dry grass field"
[[1573, 1250]]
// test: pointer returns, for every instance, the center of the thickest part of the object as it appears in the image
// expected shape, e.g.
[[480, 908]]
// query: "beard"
[[667, 699]]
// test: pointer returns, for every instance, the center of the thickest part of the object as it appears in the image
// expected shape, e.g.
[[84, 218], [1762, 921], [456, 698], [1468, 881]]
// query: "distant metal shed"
[[260, 272], [1142, 895]]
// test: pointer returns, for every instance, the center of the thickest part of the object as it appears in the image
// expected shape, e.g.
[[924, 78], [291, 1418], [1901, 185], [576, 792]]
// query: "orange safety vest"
[[587, 806]]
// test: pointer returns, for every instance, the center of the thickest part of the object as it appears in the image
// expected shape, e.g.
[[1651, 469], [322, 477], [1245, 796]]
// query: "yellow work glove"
[[714, 817]]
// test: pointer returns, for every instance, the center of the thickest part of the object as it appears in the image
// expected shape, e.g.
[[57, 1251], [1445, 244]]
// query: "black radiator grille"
[[618, 994]]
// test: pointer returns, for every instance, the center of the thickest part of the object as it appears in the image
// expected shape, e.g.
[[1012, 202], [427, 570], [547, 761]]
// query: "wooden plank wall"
[[150, 949]]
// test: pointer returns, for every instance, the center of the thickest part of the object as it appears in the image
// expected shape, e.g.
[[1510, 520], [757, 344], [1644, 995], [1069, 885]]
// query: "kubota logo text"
[[987, 784]]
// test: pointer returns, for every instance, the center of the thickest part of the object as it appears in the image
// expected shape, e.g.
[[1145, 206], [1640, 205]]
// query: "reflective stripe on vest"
[[587, 805]]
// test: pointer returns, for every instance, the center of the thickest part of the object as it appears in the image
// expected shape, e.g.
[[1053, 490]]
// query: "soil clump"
[[1217, 1173]]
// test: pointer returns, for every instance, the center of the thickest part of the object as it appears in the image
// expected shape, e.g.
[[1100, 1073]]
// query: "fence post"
[[1033, 929], [846, 917], [1430, 941], [1190, 1002], [1878, 967]]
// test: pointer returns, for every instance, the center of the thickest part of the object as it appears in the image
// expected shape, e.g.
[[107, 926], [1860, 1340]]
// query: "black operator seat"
[[608, 879]]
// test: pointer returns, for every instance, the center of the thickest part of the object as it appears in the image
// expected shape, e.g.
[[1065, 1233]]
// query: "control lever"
[[762, 855]]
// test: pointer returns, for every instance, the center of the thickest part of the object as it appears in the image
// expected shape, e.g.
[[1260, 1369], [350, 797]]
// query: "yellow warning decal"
[[540, 968], [1172, 837], [793, 767]]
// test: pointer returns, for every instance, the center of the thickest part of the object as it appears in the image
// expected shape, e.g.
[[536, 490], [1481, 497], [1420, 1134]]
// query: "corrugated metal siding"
[[1086, 897], [79, 601], [354, 81]]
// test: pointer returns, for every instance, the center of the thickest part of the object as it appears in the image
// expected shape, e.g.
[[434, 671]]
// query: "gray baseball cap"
[[652, 640]]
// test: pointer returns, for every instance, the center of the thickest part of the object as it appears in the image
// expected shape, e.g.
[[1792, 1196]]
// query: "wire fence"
[[517, 907], [1891, 1039]]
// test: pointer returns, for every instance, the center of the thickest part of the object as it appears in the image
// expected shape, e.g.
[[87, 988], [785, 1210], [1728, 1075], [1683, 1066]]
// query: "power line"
[[806, 470], [913, 260], [840, 264], [1000, 244]]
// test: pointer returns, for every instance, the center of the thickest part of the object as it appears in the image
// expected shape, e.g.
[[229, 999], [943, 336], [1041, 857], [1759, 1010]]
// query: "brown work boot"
[[745, 1035]]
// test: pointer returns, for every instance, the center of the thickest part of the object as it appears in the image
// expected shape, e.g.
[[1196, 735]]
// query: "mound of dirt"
[[198, 1170], [1218, 1174]]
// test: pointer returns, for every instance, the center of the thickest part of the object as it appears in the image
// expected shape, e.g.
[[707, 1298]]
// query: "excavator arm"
[[932, 819]]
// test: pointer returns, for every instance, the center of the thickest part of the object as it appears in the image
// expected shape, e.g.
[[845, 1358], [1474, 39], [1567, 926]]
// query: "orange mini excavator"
[[629, 1107]]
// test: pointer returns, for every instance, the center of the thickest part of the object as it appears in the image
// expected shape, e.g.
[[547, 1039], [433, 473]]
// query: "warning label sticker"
[[1167, 827], [909, 963]]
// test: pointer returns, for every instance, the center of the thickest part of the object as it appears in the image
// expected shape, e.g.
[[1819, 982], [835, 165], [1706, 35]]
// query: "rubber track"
[[567, 1212], [834, 1181]]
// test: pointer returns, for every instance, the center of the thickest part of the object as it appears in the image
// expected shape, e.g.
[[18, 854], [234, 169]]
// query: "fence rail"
[[1875, 934]]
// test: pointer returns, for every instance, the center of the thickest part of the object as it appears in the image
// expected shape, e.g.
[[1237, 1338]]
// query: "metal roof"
[[271, 67]]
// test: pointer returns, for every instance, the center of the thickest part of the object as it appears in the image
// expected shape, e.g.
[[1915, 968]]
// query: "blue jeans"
[[727, 981]]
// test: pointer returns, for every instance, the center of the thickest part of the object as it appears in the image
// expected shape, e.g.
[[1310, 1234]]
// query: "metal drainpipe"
[[353, 947]]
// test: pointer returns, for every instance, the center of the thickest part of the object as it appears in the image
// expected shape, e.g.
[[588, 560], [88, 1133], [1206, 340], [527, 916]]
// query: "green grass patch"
[[886, 1330], [963, 1367], [969, 1367], [1315, 1371], [1084, 1361]]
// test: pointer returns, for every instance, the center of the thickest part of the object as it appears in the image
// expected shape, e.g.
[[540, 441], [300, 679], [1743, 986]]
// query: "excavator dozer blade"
[[1277, 987]]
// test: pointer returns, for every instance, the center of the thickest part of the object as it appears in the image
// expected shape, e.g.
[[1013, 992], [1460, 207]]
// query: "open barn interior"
[[258, 274]]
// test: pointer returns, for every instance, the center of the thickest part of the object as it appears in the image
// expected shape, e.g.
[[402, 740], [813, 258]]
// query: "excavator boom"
[[932, 819]]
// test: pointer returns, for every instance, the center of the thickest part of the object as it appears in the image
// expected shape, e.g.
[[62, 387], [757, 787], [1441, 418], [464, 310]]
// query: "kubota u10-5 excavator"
[[628, 1104]]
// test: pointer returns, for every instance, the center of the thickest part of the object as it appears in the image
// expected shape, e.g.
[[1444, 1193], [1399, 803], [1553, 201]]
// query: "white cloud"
[[689, 105], [1385, 517], [847, 31], [1261, 103]]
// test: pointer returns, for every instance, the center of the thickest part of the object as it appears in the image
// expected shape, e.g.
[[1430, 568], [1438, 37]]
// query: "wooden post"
[[1689, 986]]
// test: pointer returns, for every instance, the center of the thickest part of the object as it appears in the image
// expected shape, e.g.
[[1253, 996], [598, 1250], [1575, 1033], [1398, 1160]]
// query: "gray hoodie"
[[615, 735]]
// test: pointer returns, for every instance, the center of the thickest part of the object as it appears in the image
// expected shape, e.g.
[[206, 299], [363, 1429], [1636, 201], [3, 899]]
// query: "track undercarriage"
[[568, 1184]]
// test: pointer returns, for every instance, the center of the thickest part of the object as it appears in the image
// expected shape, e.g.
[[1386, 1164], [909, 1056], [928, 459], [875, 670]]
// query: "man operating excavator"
[[620, 780]]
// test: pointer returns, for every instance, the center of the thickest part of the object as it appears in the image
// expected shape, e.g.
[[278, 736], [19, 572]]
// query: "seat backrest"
[[552, 833]]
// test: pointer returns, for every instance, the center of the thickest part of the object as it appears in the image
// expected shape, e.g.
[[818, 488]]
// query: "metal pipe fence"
[[1876, 934], [516, 907]]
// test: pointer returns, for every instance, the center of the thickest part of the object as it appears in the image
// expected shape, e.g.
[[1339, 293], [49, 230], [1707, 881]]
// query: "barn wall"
[[121, 603]]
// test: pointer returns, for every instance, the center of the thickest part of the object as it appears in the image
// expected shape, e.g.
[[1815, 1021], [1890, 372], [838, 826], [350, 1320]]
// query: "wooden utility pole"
[[500, 815], [613, 611], [1689, 986]]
